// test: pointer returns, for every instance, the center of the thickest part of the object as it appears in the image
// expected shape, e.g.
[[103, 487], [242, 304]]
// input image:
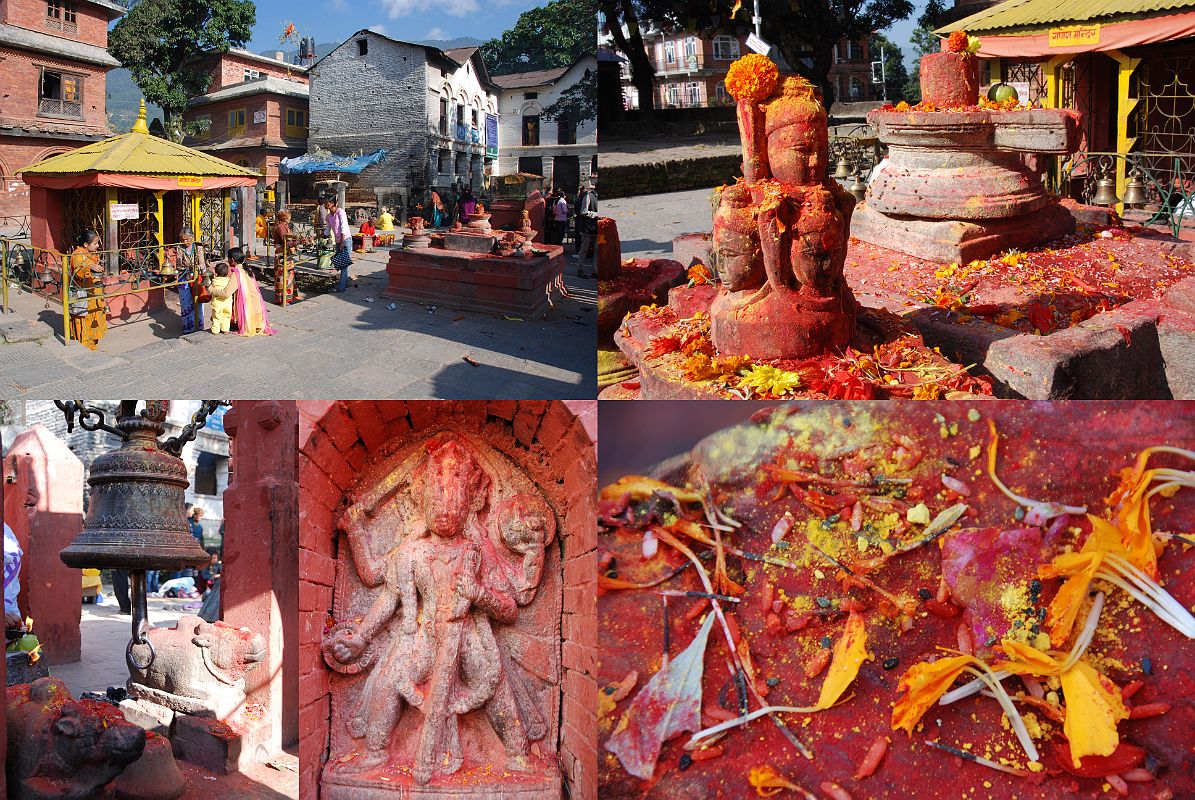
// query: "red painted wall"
[[260, 578], [44, 507]]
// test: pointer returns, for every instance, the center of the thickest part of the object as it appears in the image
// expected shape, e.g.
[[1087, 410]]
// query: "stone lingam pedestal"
[[623, 287], [467, 269], [781, 321], [957, 185]]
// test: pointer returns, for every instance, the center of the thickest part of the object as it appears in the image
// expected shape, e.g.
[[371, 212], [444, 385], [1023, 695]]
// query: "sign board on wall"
[[1075, 36], [491, 130], [259, 117], [190, 182], [125, 211]]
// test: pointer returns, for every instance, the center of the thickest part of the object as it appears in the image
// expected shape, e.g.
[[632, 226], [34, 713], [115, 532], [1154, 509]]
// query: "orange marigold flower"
[[753, 77], [699, 275], [957, 43]]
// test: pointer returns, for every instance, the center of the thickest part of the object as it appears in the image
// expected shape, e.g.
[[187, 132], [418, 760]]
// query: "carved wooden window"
[[60, 16], [60, 94]]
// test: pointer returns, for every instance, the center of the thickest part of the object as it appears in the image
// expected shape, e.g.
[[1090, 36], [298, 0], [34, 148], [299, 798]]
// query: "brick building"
[[563, 151], [429, 108], [254, 113], [53, 67], [691, 69]]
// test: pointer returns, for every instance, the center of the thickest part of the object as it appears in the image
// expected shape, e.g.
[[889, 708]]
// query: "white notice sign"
[[758, 45], [125, 211]]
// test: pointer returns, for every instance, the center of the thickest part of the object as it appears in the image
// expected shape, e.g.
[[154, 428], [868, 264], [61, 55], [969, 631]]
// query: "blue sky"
[[900, 32], [412, 20]]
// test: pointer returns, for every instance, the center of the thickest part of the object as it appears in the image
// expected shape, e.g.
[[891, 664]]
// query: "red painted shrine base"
[[503, 285]]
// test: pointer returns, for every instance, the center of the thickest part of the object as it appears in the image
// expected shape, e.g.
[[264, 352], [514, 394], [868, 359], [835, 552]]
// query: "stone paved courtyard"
[[346, 346]]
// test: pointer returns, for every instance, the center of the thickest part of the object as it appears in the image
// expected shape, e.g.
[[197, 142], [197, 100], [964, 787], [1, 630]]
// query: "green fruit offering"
[[1002, 92], [27, 642]]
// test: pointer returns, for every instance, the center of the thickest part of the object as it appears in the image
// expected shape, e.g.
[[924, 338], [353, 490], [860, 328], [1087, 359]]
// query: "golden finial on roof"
[[139, 126]]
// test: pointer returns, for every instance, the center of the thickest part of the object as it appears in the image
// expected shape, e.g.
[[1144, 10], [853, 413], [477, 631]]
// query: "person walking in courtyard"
[[587, 217], [439, 213], [339, 231], [89, 318], [558, 213], [191, 270]]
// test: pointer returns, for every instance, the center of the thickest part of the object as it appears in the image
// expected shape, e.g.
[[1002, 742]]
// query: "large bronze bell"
[[136, 516], [1105, 192], [1134, 190], [842, 170]]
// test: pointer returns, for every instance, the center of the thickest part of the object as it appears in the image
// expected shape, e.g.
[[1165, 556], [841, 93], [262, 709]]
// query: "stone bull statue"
[[198, 667], [60, 748]]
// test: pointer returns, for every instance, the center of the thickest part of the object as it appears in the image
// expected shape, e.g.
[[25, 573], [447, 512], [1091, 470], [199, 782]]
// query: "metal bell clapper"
[[136, 516]]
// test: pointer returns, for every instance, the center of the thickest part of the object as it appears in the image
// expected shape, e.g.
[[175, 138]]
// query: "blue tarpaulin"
[[312, 163]]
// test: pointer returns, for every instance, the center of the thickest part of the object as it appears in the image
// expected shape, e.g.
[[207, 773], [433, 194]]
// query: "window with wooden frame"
[[60, 16], [236, 121], [251, 74], [296, 122], [59, 94], [530, 130]]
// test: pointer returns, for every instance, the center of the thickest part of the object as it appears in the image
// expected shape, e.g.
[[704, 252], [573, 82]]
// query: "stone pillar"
[[260, 579], [44, 508], [281, 193], [523, 460]]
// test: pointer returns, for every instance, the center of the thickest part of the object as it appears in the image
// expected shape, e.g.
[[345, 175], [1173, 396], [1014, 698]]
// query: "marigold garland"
[[957, 43], [753, 77]]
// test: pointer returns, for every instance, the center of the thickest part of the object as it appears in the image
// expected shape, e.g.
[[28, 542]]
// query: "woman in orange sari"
[[89, 325]]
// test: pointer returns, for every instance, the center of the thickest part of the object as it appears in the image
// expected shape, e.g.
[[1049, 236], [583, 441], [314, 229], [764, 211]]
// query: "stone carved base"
[[960, 240], [541, 784], [475, 281], [781, 326], [417, 242]]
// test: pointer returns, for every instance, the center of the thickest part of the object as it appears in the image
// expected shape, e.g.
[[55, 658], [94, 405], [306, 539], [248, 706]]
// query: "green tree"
[[621, 19], [924, 41], [896, 76], [551, 36], [164, 44], [804, 31], [578, 102]]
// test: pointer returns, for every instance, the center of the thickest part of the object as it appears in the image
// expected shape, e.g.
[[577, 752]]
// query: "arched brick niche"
[[356, 454]]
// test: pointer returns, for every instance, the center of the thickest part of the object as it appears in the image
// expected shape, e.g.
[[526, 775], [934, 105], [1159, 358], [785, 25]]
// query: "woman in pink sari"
[[249, 310]]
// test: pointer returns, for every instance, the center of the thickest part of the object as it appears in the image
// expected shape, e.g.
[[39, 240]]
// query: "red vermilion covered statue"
[[780, 235]]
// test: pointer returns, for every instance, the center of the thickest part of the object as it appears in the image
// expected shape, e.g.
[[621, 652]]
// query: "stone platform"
[[393, 783], [949, 240], [473, 281], [640, 282]]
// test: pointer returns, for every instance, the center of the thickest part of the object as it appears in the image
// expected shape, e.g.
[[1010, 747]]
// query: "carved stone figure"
[[60, 748], [780, 237], [198, 668], [451, 669]]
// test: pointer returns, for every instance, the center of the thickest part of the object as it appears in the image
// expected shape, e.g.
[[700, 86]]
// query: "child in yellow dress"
[[223, 292]]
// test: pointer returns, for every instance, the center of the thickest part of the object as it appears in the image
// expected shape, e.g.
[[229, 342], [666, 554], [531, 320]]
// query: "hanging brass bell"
[[857, 187], [1105, 192], [136, 516], [1134, 191], [843, 168]]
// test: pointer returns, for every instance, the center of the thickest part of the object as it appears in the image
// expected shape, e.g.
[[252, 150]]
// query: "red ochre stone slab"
[[960, 240], [640, 282], [950, 80], [516, 286]]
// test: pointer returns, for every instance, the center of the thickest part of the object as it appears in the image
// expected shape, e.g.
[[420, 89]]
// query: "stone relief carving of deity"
[[447, 629]]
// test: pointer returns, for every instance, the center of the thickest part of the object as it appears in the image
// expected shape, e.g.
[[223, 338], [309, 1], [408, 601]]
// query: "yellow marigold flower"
[[699, 275], [753, 77]]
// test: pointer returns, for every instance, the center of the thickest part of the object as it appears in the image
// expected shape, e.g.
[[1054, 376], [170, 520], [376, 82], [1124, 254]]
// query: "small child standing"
[[222, 298]]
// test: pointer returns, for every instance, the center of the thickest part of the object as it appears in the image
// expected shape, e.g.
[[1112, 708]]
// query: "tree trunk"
[[174, 124], [631, 45]]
